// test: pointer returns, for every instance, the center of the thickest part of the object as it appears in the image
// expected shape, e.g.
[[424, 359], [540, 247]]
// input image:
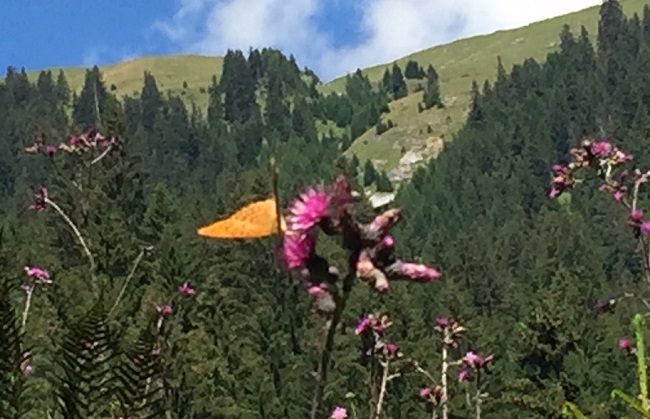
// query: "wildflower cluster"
[[596, 154], [372, 329], [623, 186], [77, 144], [371, 248]]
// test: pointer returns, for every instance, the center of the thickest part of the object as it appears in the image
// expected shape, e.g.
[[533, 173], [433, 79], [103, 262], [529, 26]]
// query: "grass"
[[170, 73], [457, 63]]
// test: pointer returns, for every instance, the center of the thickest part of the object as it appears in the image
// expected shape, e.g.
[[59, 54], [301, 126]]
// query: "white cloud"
[[102, 55], [391, 28]]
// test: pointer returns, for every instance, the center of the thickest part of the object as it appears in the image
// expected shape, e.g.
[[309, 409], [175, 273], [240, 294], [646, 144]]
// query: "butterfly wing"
[[256, 220]]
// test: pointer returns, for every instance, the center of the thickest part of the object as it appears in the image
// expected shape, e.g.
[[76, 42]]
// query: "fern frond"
[[87, 351], [12, 380], [140, 375]]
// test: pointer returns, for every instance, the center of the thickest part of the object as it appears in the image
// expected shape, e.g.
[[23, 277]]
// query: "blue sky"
[[330, 36]]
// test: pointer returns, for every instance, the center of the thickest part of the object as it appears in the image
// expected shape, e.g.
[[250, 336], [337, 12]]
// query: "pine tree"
[[150, 101], [398, 84], [369, 174], [432, 90]]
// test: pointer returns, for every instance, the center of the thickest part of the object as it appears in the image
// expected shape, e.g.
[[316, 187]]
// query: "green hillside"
[[457, 63], [170, 73]]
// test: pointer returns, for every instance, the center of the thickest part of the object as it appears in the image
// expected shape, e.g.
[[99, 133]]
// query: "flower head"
[[308, 209], [339, 413], [626, 346], [40, 200], [164, 310], [377, 323], [562, 180], [475, 361], [26, 364], [38, 274], [419, 272], [297, 249], [463, 374], [601, 149], [186, 289]]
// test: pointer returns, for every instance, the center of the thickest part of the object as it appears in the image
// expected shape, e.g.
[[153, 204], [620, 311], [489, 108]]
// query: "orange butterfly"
[[256, 220]]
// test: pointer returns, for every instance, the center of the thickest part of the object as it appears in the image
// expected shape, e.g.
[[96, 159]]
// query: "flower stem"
[[326, 351], [128, 279], [77, 233], [477, 396], [443, 378], [28, 304], [639, 325], [382, 389]]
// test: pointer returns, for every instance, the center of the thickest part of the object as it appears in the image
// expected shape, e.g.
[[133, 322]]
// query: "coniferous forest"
[[523, 277]]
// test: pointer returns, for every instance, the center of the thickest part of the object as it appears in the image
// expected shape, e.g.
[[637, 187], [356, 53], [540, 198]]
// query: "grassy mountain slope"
[[457, 63], [170, 73]]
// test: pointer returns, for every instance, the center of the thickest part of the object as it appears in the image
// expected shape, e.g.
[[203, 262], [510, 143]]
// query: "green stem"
[[77, 233], [128, 279], [639, 326], [326, 352]]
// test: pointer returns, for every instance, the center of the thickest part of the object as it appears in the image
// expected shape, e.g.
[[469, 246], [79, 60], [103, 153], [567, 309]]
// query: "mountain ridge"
[[458, 63]]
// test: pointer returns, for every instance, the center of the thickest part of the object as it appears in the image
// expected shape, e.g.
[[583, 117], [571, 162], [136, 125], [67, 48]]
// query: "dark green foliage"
[[413, 70], [369, 174], [398, 85], [85, 382], [432, 90], [140, 384], [13, 393], [383, 183]]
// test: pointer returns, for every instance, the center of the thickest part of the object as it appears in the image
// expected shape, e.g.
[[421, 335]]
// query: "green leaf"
[[570, 410], [631, 402]]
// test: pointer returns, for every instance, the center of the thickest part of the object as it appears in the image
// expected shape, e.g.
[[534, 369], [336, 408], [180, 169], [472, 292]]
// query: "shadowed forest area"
[[148, 315]]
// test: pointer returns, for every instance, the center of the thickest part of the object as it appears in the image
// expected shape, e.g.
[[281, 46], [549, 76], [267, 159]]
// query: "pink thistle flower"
[[38, 274], [601, 149], [26, 366], [645, 228], [297, 249], [388, 241], [419, 272], [308, 209], [391, 350], [381, 284], [425, 393], [621, 157], [442, 323], [378, 324], [50, 149], [364, 325], [365, 267], [561, 180], [618, 196], [473, 360], [339, 413], [186, 290], [316, 291], [40, 200], [164, 310], [626, 346], [383, 222], [463, 375]]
